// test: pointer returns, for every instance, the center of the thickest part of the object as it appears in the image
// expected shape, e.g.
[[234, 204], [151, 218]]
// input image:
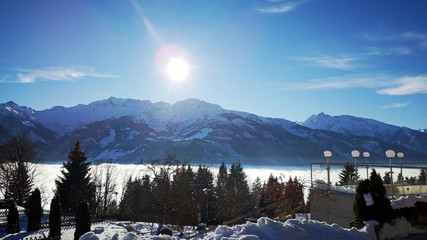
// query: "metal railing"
[[399, 178]]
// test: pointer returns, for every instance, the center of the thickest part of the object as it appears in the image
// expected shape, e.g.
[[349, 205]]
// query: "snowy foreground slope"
[[267, 229], [264, 229]]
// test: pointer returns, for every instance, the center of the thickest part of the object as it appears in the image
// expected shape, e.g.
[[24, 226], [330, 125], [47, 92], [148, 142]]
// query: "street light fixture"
[[400, 155], [328, 155], [367, 155], [355, 154], [390, 155], [206, 191]]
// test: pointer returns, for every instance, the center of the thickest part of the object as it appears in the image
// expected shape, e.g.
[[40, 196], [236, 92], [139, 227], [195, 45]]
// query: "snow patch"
[[108, 139], [408, 201], [399, 227], [28, 124], [113, 154], [89, 236], [269, 229], [201, 134], [132, 135]]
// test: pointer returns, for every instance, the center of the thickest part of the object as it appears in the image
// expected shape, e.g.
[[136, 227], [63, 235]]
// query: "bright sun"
[[177, 69]]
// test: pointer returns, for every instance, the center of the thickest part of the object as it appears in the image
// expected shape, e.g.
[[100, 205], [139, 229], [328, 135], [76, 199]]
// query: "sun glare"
[[177, 69]]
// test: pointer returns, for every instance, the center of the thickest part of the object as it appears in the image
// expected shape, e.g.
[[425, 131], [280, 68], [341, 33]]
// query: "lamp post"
[[206, 191], [355, 154], [367, 155], [391, 154], [328, 155], [400, 155]]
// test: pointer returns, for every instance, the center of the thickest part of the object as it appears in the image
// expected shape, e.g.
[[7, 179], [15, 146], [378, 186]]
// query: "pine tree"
[[137, 200], [274, 193], [220, 192], [35, 212], [16, 170], [128, 203], [256, 192], [184, 210], [411, 180], [75, 182], [347, 176], [55, 217], [237, 191], [82, 219], [294, 196], [12, 220], [204, 180], [422, 177], [162, 195], [399, 179], [387, 179]]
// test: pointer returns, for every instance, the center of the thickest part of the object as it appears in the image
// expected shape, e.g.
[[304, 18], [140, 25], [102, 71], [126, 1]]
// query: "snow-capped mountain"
[[15, 119], [127, 130], [349, 125], [158, 115]]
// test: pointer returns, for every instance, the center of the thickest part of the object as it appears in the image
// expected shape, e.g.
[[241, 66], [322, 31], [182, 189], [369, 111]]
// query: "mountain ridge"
[[128, 130]]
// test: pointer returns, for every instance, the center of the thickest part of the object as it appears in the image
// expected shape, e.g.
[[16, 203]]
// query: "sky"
[[281, 59]]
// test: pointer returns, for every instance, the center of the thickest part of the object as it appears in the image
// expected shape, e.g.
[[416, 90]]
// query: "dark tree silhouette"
[[35, 212], [220, 191], [184, 209], [75, 182], [12, 220], [422, 177], [237, 192], [380, 210], [204, 180], [55, 218], [82, 219], [137, 200]]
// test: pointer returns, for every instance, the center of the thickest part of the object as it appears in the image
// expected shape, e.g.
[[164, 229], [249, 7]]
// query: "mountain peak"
[[13, 108]]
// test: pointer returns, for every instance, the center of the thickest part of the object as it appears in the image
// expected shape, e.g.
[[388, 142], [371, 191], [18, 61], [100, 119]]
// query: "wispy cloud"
[[406, 86], [343, 82], [421, 38], [396, 105], [57, 74], [404, 42], [279, 6], [389, 50], [343, 63], [386, 85]]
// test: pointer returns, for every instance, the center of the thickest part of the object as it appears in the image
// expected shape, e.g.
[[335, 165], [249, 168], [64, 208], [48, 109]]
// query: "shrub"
[[416, 215], [55, 217], [35, 212], [13, 220], [82, 219], [381, 210]]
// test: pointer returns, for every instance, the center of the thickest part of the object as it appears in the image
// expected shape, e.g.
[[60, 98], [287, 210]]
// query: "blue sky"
[[286, 59]]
